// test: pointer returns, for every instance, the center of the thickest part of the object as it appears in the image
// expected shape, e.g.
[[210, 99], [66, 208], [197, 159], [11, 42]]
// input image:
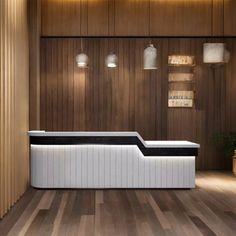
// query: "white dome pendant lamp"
[[150, 57], [111, 60], [82, 58]]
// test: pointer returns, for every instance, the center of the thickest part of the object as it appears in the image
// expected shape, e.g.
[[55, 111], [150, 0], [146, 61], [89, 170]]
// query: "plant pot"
[[234, 162]]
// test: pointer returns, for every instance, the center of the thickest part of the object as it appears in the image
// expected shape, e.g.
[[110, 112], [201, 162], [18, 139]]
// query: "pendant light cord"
[[223, 17], [149, 23], [81, 39], [81, 44]]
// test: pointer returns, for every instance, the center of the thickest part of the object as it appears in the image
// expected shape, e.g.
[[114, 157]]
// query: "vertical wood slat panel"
[[132, 17], [218, 18], [230, 90], [98, 17], [61, 17], [229, 18], [13, 102], [34, 18]]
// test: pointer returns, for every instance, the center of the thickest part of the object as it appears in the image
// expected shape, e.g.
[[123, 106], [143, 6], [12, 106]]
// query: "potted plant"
[[228, 142]]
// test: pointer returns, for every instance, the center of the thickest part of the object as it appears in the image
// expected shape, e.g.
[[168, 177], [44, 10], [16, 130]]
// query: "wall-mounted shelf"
[[180, 77], [180, 98], [181, 83], [181, 60]]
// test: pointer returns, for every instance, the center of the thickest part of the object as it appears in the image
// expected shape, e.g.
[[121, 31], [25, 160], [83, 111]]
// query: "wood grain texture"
[[210, 209], [166, 18], [14, 98], [229, 18], [98, 17], [198, 17], [138, 17], [129, 98], [62, 17], [131, 17], [174, 18], [73, 18], [218, 18], [34, 19], [231, 88]]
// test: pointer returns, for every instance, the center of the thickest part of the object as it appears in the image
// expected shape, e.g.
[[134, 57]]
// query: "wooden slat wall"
[[138, 17], [131, 17], [229, 17], [98, 17], [62, 17], [34, 19], [130, 99], [177, 18], [231, 87], [218, 18], [14, 119]]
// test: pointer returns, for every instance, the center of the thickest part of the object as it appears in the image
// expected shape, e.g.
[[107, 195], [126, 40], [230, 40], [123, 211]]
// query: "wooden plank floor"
[[210, 209]]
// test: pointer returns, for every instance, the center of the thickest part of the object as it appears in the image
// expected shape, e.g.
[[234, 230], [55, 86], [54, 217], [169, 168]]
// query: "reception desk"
[[110, 160]]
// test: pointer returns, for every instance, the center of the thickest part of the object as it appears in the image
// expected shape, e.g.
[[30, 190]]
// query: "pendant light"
[[82, 58], [215, 53], [150, 53], [111, 60], [150, 57]]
